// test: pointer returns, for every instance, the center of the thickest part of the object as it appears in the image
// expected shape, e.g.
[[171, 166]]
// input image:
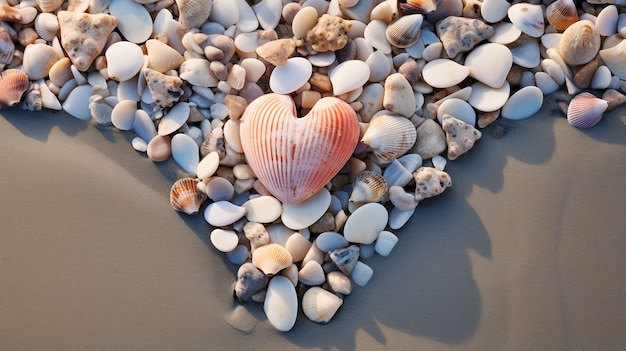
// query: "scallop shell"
[[47, 26], [193, 13], [615, 59], [389, 137], [419, 6], [7, 47], [13, 84], [585, 110], [49, 5], [562, 13], [405, 31], [271, 258], [528, 18], [295, 157], [320, 305], [185, 197], [368, 186]]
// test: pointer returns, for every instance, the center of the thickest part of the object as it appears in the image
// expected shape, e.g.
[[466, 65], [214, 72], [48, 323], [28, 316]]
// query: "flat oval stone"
[[485, 98], [490, 64], [364, 225], [221, 213], [124, 60], [263, 209], [185, 152], [174, 119], [123, 114], [303, 21], [398, 218], [133, 20], [348, 76], [385, 243], [458, 109], [281, 303], [329, 241], [224, 240], [444, 73], [208, 165], [301, 215], [523, 104], [311, 274], [144, 126], [290, 77]]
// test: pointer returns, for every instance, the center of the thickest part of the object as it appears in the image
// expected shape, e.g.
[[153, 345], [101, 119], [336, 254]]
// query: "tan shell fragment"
[[460, 136], [277, 51], [193, 13], [162, 57], [165, 90], [430, 182], [84, 35]]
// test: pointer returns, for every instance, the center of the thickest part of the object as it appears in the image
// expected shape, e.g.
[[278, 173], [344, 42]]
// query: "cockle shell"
[[295, 157], [580, 43], [419, 6], [562, 13], [7, 47], [405, 31], [389, 136], [320, 305], [585, 110], [47, 26], [193, 13], [368, 186], [271, 258], [615, 59], [13, 84], [185, 196]]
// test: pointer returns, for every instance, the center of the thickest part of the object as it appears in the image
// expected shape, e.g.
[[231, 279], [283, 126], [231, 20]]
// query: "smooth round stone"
[[361, 274], [281, 303], [545, 83], [144, 126], [174, 119], [124, 60], [290, 77], [458, 109], [221, 213], [231, 135], [224, 12], [268, 13], [263, 209], [379, 65], [301, 215], [444, 73], [239, 255], [159, 148], [208, 165], [504, 33], [490, 64], [399, 96], [323, 59], [523, 104], [77, 102], [364, 225], [255, 69], [348, 76], [219, 189], [185, 152], [329, 241], [298, 246], [303, 21], [398, 218], [486, 99], [139, 144], [494, 10], [123, 114], [606, 21], [224, 240], [385, 243], [439, 162], [133, 20], [311, 274], [601, 78]]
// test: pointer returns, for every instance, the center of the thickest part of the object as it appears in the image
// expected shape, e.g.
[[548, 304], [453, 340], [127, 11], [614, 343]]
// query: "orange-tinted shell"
[[185, 196], [562, 13], [271, 258], [13, 84], [295, 157]]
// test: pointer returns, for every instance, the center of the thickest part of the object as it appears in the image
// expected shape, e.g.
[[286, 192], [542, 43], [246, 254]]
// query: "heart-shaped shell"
[[271, 258], [185, 196], [585, 110], [320, 305], [13, 84], [389, 136], [562, 13], [368, 186], [295, 157], [405, 31]]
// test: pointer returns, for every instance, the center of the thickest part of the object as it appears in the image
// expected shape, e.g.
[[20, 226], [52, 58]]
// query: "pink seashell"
[[585, 110], [295, 157], [13, 84]]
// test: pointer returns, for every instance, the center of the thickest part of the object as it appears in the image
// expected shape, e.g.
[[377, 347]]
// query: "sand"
[[524, 252]]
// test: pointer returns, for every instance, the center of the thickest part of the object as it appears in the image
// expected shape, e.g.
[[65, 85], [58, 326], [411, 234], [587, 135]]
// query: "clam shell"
[[38, 59], [13, 84], [562, 13], [7, 47], [185, 197], [368, 186], [580, 43], [389, 136], [271, 258], [47, 26], [281, 303], [320, 305], [49, 5], [405, 31], [525, 52], [585, 110], [133, 20], [295, 157], [523, 103], [615, 59], [312, 272], [528, 18], [490, 64]]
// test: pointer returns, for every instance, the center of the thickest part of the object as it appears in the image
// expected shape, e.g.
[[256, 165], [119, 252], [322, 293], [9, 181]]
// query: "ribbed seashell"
[[271, 258], [320, 305], [368, 186], [193, 13], [295, 157], [13, 84], [525, 52], [580, 43], [585, 110], [405, 31], [528, 18], [401, 199], [419, 6], [236, 77], [47, 26], [615, 59], [49, 5], [38, 59], [185, 197], [389, 136], [562, 13], [7, 47]]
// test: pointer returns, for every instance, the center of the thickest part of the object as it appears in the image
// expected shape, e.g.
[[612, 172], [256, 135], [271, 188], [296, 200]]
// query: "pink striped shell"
[[585, 110]]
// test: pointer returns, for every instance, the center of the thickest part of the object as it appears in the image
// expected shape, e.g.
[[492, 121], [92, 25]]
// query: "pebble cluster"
[[310, 129]]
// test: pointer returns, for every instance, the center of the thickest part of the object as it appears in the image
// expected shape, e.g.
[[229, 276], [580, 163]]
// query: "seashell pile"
[[309, 130]]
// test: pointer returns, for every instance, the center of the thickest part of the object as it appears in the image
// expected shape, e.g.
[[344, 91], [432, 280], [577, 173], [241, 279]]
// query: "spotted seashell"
[[419, 6], [7, 47], [585, 110], [562, 13], [405, 31], [528, 18], [320, 305], [13, 84], [49, 5], [185, 197], [295, 157], [389, 136], [271, 258], [368, 186], [193, 13]]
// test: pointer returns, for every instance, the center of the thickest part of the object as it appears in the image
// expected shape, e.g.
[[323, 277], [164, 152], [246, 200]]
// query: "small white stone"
[[444, 73], [268, 13], [185, 152], [361, 274], [487, 99], [123, 115], [348, 76], [365, 223], [523, 104], [385, 243], [223, 213], [303, 214], [139, 144], [281, 303], [224, 240], [329, 241], [439, 162], [288, 78], [263, 209], [77, 104], [458, 109], [545, 83], [208, 165], [601, 78]]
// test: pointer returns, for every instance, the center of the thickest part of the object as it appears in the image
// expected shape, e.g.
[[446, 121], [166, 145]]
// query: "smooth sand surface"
[[526, 251]]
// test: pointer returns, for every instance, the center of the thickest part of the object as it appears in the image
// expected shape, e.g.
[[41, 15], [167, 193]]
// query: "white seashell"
[[528, 18], [225, 12], [361, 274], [562, 13], [398, 218], [487, 99], [263, 209], [585, 110], [281, 303], [322, 59], [304, 21], [432, 51], [320, 305], [162, 57], [551, 40], [76, 102], [290, 77], [38, 59], [375, 35], [615, 59], [133, 20], [365, 223], [523, 104], [526, 53], [174, 119], [379, 66], [185, 152], [48, 99], [580, 43], [601, 78], [301, 215], [298, 246], [458, 109], [339, 282], [47, 26], [348, 76], [311, 274], [49, 5], [185, 196], [382, 12], [247, 18], [401, 199], [124, 60], [555, 71], [329, 241], [144, 126], [490, 64], [439, 162], [368, 186], [222, 213], [494, 10], [545, 83], [405, 31], [271, 258], [444, 73], [385, 243], [505, 33], [197, 72], [123, 114], [606, 21], [268, 12]]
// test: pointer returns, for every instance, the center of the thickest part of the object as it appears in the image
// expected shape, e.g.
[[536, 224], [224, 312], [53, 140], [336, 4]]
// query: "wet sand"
[[524, 252]]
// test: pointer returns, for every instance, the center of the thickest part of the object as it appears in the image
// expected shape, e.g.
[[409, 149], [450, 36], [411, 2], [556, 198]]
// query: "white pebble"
[[398, 218], [385, 243], [208, 165], [288, 78], [303, 214], [361, 274], [223, 213], [281, 303], [365, 223], [263, 209], [224, 240], [185, 152], [139, 144]]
